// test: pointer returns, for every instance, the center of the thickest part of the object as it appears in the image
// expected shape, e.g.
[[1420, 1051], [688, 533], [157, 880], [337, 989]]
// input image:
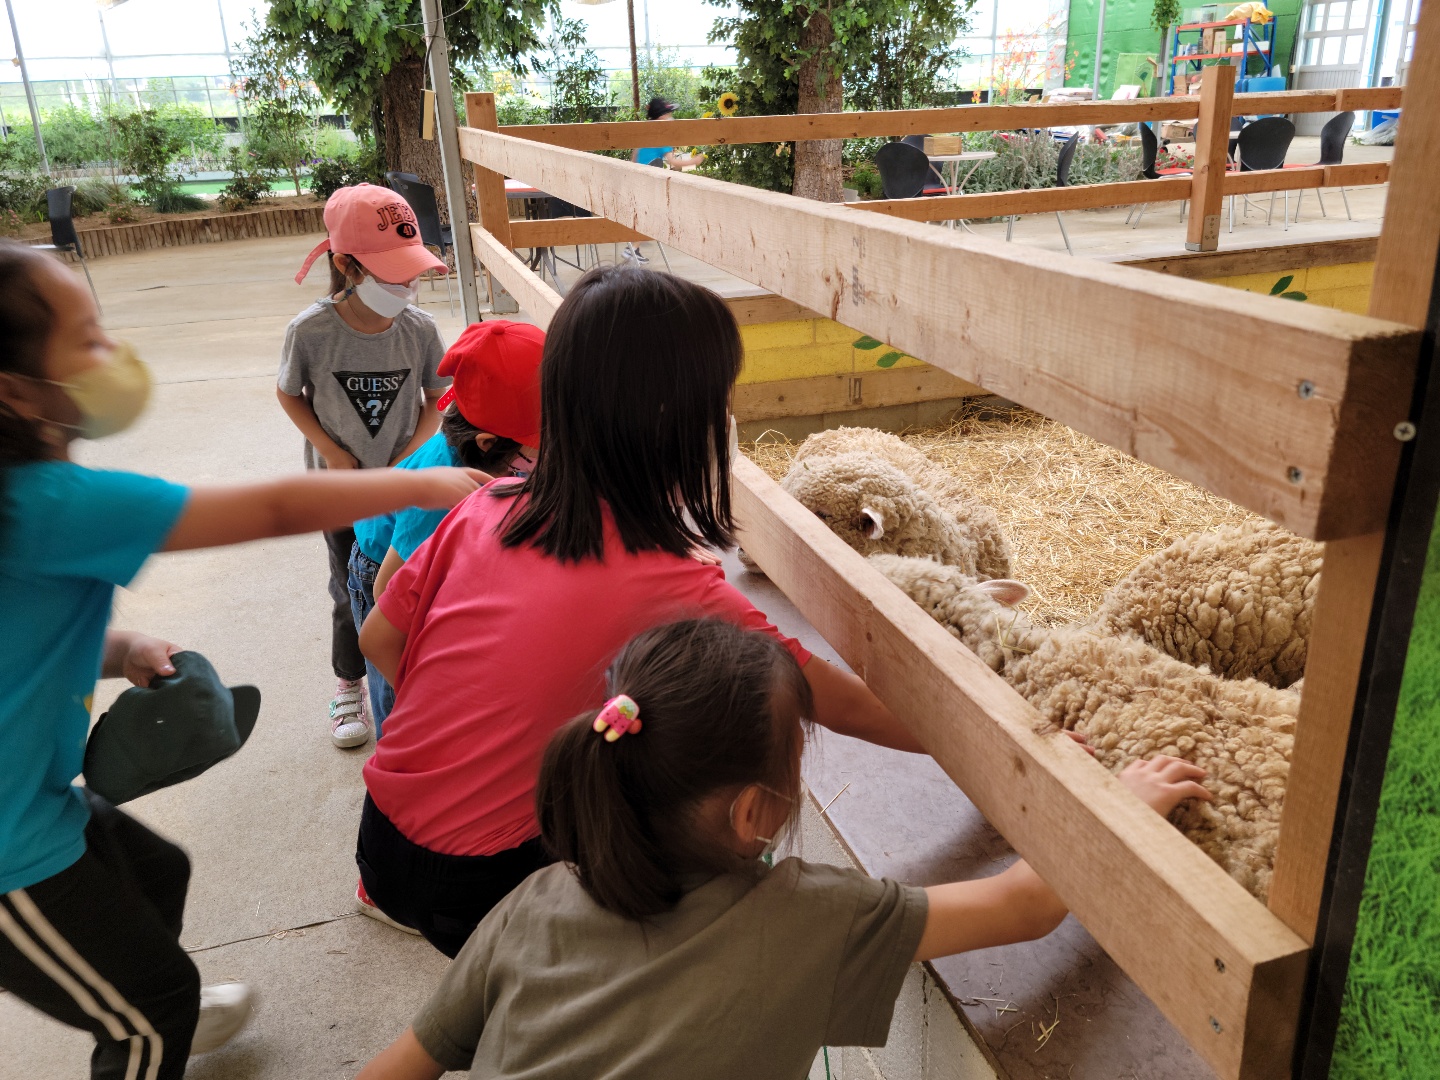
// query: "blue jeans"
[[362, 602]]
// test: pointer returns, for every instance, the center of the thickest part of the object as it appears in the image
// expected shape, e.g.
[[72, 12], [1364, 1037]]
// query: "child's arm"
[[310, 503], [381, 643], [388, 566], [404, 1059], [428, 424], [844, 704], [1017, 905], [302, 414], [136, 657]]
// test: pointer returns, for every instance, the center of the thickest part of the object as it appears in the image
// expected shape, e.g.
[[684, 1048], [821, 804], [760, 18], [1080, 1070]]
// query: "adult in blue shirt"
[[91, 901]]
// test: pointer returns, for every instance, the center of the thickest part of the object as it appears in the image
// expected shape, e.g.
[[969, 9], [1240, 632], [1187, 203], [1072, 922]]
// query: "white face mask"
[[781, 834], [384, 299]]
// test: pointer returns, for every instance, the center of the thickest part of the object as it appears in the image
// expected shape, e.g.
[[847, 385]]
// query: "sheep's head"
[[868, 503], [980, 613]]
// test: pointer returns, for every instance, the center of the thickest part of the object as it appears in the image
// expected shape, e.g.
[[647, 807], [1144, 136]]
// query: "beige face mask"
[[110, 397]]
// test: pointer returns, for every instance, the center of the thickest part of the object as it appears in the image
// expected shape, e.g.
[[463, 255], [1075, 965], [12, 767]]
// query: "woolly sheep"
[[874, 507], [1239, 600], [1131, 702]]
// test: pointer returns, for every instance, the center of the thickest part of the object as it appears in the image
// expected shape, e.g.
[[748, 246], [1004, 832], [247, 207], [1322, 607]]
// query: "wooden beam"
[[1217, 87], [1259, 260], [1365, 98], [1033, 201], [1312, 176], [1405, 260], [1283, 101], [535, 298], [1228, 974], [767, 308], [489, 185], [562, 232], [1218, 405], [822, 394]]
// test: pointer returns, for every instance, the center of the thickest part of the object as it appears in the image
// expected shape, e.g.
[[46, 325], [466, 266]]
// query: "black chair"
[[1062, 179], [1332, 152], [421, 197], [905, 172], [1149, 151], [1261, 146], [918, 141], [59, 207]]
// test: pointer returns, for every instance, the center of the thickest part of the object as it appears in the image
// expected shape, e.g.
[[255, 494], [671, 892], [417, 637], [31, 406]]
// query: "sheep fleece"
[[1131, 702], [1238, 599]]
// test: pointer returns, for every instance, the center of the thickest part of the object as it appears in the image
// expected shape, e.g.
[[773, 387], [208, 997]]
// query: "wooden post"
[[489, 186], [1404, 262], [1212, 137]]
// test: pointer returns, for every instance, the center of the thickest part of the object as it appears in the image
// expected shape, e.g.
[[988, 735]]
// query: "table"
[[956, 183]]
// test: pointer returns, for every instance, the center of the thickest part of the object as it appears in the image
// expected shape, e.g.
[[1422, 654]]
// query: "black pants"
[[442, 896], [345, 655], [97, 947]]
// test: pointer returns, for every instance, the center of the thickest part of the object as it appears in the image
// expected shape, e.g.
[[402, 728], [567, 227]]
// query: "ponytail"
[[719, 709], [26, 322]]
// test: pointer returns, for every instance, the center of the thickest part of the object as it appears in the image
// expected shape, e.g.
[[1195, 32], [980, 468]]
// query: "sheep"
[[875, 507], [1239, 600], [1131, 701]]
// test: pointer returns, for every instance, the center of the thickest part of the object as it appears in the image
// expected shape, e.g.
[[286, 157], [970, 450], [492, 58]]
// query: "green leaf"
[[889, 359], [1294, 296], [1281, 285], [868, 343]]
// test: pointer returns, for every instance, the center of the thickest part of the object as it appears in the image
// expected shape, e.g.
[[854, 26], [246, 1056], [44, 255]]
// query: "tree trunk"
[[817, 164]]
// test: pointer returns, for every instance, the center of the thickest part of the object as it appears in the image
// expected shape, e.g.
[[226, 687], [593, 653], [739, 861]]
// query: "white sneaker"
[[634, 254], [225, 1008], [368, 907], [349, 719]]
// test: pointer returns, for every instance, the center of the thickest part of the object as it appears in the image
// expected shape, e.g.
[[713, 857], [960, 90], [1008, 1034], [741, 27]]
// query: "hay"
[[1079, 514]]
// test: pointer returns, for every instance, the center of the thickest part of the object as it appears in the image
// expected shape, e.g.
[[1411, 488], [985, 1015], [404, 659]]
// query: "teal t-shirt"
[[406, 530], [68, 536], [648, 155]]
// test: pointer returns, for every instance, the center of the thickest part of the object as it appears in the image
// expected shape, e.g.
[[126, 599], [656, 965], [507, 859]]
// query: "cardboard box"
[[944, 144], [1177, 131]]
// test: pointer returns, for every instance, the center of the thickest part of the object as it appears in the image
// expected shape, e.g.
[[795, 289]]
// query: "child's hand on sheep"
[[1164, 782]]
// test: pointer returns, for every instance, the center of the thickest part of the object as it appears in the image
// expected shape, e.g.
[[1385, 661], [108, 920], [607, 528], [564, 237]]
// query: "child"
[[358, 378], [91, 901], [659, 109], [490, 421], [664, 938], [499, 628]]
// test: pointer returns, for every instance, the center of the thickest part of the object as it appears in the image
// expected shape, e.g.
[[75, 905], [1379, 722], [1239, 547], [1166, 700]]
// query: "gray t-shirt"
[[746, 977], [366, 389]]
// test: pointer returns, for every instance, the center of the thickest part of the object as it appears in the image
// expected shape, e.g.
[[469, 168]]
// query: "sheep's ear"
[[1005, 590], [871, 524]]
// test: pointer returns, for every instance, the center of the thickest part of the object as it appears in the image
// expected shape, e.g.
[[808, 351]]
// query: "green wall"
[[1390, 1021], [1128, 30]]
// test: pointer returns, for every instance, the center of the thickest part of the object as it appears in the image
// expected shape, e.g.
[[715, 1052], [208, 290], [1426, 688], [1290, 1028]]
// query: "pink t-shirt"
[[503, 645]]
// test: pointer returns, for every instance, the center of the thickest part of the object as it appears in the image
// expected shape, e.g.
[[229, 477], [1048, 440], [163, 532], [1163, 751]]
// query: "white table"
[[955, 183]]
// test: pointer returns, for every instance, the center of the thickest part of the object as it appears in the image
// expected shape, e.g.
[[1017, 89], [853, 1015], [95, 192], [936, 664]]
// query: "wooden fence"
[[102, 240], [1285, 409]]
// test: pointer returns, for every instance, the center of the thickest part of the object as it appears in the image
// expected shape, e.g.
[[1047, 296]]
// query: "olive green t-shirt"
[[747, 977]]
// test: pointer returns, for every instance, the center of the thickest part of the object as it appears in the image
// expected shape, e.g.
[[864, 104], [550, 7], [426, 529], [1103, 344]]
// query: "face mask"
[[520, 465], [109, 396], [384, 299], [781, 834]]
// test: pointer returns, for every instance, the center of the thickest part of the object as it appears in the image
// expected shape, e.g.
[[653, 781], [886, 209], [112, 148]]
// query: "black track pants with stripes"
[[97, 947]]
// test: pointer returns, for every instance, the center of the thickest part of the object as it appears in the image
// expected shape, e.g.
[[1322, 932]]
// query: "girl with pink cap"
[[359, 376]]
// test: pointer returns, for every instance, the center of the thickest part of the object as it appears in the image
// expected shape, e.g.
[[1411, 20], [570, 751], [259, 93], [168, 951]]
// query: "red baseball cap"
[[496, 368], [377, 226]]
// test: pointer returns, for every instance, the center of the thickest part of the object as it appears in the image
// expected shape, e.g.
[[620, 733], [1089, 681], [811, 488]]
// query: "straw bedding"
[[1079, 515]]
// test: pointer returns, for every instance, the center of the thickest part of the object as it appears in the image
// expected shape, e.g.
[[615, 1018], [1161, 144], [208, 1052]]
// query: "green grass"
[[212, 187], [1390, 1020]]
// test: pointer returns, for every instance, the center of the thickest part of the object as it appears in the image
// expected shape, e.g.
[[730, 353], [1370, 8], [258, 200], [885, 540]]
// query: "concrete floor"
[[271, 832]]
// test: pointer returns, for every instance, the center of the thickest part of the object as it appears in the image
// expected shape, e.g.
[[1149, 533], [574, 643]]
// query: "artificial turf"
[[1390, 1020]]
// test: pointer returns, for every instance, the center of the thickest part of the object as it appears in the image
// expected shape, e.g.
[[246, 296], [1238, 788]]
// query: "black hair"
[[720, 708], [635, 385], [460, 434], [658, 107], [26, 323]]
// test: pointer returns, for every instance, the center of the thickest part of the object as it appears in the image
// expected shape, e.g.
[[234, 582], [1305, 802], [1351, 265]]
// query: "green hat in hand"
[[170, 731]]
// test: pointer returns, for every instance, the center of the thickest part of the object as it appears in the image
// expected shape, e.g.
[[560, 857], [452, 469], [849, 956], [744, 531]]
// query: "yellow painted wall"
[[1346, 287], [808, 348]]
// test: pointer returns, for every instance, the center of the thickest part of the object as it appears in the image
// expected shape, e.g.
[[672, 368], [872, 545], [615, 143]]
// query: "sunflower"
[[728, 104]]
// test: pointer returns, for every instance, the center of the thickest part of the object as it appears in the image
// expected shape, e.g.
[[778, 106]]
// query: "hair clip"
[[619, 715]]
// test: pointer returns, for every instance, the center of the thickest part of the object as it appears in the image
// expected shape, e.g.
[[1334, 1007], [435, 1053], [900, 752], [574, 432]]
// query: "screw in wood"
[[1215, 1025], [1404, 431], [1294, 475], [1220, 965], [1306, 389]]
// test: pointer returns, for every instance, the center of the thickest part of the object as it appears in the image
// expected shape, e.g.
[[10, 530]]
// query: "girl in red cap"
[[359, 378]]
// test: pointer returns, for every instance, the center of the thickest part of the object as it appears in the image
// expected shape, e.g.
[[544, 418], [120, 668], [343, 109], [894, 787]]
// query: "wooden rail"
[[1220, 405]]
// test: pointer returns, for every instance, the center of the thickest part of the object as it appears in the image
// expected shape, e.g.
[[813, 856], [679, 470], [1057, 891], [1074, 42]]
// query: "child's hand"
[[147, 658], [340, 459], [444, 486], [704, 556], [1164, 782]]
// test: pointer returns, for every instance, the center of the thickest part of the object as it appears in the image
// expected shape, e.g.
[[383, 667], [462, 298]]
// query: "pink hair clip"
[[619, 715]]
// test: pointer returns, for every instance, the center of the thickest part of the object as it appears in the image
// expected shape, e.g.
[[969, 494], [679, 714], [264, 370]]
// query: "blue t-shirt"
[[649, 154], [68, 536], [406, 530]]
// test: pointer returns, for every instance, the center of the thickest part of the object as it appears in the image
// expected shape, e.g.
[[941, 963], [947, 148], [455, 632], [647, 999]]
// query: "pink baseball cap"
[[377, 226]]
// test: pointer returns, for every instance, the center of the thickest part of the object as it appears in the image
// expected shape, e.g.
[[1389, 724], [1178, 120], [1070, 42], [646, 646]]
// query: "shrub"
[[120, 213], [249, 183], [866, 180], [173, 199], [148, 148], [23, 193], [519, 109], [328, 175], [11, 223], [96, 195]]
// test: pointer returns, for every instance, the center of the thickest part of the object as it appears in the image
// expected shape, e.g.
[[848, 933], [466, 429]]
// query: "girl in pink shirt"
[[501, 625]]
